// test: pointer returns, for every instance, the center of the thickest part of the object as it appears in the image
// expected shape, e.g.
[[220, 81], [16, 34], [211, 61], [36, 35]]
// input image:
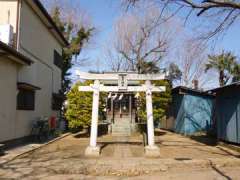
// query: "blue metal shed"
[[192, 110], [227, 112]]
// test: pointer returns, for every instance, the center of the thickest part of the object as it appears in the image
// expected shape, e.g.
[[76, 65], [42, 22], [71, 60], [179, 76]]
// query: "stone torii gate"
[[122, 78]]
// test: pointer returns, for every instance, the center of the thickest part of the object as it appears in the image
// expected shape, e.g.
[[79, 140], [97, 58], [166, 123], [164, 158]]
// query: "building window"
[[57, 101], [26, 99], [57, 59]]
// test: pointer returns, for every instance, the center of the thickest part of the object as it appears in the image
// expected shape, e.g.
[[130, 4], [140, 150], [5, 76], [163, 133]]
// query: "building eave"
[[232, 85], [27, 86], [185, 90], [14, 55]]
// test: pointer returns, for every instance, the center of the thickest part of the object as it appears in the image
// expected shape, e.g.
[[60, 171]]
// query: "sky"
[[103, 15]]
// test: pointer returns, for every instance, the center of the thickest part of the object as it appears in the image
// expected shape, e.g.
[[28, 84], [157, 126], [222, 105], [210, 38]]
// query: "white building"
[[30, 66]]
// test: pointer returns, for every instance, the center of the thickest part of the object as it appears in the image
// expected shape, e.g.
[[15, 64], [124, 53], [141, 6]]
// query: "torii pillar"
[[151, 149], [93, 149]]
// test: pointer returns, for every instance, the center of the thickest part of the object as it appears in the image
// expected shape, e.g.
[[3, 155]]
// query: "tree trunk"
[[221, 78]]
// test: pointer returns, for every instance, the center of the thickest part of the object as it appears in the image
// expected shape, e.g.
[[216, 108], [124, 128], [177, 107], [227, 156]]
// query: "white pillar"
[[95, 107], [93, 149], [151, 150], [149, 108]]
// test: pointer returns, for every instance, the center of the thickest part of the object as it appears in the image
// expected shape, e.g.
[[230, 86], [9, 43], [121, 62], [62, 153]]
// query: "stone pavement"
[[123, 157], [13, 153], [122, 151]]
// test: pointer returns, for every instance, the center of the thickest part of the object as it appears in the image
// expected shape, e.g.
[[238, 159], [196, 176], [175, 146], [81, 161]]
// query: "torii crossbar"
[[151, 149]]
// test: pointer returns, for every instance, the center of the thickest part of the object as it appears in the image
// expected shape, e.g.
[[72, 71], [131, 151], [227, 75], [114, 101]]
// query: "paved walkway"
[[12, 153], [122, 151], [123, 157]]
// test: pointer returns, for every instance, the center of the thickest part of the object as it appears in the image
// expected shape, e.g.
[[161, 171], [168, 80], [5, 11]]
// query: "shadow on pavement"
[[204, 139]]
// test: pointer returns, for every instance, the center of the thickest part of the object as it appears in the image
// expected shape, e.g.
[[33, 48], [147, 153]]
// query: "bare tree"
[[191, 58], [222, 14], [139, 39], [114, 60]]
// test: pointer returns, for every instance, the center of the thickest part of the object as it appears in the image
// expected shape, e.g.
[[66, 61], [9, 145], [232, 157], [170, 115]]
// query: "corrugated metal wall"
[[192, 113], [198, 113], [179, 113], [228, 115]]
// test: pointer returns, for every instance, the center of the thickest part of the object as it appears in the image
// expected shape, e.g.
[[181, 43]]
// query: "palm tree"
[[236, 73], [224, 63]]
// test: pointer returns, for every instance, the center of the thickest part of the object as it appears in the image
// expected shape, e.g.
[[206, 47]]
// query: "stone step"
[[122, 119], [121, 129], [121, 134], [123, 115], [122, 124]]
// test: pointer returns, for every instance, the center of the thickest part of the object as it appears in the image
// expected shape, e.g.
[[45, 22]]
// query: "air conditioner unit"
[[6, 34]]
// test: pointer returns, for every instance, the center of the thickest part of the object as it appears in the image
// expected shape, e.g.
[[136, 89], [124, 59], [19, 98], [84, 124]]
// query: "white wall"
[[8, 94], [37, 42]]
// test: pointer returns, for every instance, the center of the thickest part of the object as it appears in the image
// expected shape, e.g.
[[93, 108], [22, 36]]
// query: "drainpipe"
[[19, 6], [17, 44]]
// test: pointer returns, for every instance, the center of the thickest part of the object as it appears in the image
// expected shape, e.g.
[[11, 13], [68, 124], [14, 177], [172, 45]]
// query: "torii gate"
[[122, 78]]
